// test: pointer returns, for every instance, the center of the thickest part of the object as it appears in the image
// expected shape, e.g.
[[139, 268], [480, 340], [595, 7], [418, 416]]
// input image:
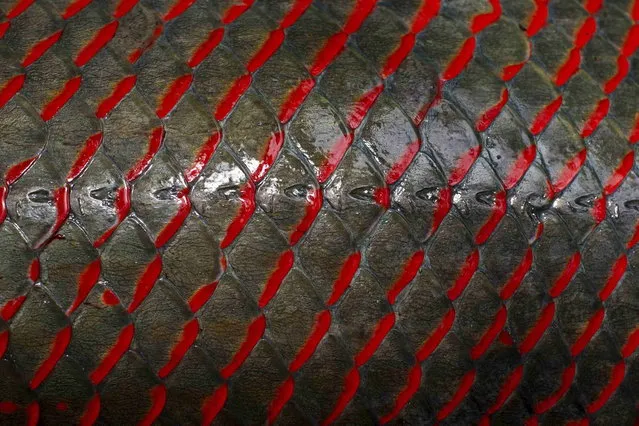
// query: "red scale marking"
[[56, 104], [327, 54], [247, 197], [91, 412], [464, 387], [467, 271], [593, 326], [121, 89], [459, 62], [87, 279], [397, 57], [40, 48], [272, 149], [522, 163], [74, 8], [284, 394], [19, 8], [498, 212], [362, 106], [4, 343], [3, 203], [122, 206], [158, 399], [60, 344], [634, 239], [295, 99], [284, 265], [101, 39], [382, 197], [409, 271], [11, 307], [487, 118], [16, 171], [569, 171], [145, 283], [235, 11], [510, 71], [203, 156], [482, 21], [490, 335], [510, 385], [237, 89], [398, 169], [616, 377], [11, 87], [566, 275], [442, 207], [538, 330], [314, 204], [518, 276], [351, 384], [109, 298], [8, 407], [124, 7], [4, 27], [599, 209], [631, 344], [333, 157], [253, 335], [214, 404], [412, 386], [270, 46], [173, 95], [539, 18], [623, 67], [616, 273], [135, 55], [201, 296], [171, 228], [345, 277], [112, 357], [464, 164], [358, 15], [187, 338], [436, 337], [33, 414], [63, 207], [620, 173], [207, 46], [382, 328], [322, 324], [600, 112], [84, 156], [155, 140], [545, 115], [566, 380], [178, 8]]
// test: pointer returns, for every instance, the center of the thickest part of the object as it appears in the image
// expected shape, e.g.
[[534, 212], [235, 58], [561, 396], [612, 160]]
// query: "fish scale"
[[318, 211]]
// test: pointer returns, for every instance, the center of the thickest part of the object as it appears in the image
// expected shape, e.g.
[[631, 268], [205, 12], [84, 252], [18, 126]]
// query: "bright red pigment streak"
[[490, 335], [509, 386], [617, 272], [124, 7], [20, 7], [113, 356], [173, 95], [284, 393], [155, 140], [295, 99], [499, 211], [158, 399], [273, 42], [436, 337], [12, 87], [18, 170], [4, 342], [247, 198], [566, 380], [253, 335], [272, 149], [459, 62], [201, 296], [545, 115], [120, 90], [189, 334], [100, 40], [383, 327], [122, 206], [214, 404], [544, 321], [314, 205], [146, 282], [176, 221], [616, 377], [334, 157], [84, 156], [468, 270], [11, 307], [464, 387], [91, 412], [410, 270], [398, 169], [412, 385], [595, 118], [203, 157], [40, 48], [517, 277], [566, 275], [74, 8], [56, 104], [63, 207], [284, 265], [620, 173], [204, 49], [235, 11], [464, 164], [177, 9], [87, 279], [522, 163], [322, 324], [232, 96], [569, 172], [60, 344], [442, 207], [351, 384], [362, 106], [593, 325], [346, 274], [487, 118]]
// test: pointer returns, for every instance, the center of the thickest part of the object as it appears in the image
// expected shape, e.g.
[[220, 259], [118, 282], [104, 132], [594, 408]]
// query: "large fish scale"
[[319, 211]]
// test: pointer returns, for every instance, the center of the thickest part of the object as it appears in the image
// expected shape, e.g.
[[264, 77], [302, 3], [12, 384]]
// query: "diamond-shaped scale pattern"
[[319, 211]]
